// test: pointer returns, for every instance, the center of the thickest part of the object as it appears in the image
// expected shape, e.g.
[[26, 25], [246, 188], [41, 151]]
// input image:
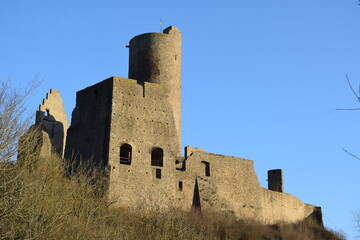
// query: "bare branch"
[[13, 120], [348, 109], [352, 89], [351, 154]]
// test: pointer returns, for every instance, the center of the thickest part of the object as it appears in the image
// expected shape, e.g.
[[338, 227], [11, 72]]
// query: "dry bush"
[[38, 201], [309, 230]]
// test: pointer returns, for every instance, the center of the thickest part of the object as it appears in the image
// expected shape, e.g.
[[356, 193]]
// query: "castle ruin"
[[132, 127]]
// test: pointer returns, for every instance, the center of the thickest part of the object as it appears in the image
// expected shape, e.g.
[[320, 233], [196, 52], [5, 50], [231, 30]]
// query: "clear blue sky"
[[261, 79]]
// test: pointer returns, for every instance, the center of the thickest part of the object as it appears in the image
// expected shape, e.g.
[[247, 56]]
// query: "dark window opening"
[[125, 154], [158, 173], [207, 168], [180, 185], [157, 155]]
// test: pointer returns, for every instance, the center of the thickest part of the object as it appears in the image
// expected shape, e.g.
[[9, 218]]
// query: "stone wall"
[[88, 135], [48, 134], [141, 117], [229, 184]]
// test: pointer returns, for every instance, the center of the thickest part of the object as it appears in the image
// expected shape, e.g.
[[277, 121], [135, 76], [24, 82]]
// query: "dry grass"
[[38, 202]]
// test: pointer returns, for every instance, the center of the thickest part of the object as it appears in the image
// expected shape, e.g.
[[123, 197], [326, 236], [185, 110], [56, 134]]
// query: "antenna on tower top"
[[160, 25]]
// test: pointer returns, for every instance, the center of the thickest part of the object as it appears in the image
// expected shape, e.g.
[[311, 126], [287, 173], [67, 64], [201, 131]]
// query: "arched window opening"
[[157, 155], [125, 154]]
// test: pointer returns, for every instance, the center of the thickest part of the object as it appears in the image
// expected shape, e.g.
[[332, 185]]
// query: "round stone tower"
[[156, 58]]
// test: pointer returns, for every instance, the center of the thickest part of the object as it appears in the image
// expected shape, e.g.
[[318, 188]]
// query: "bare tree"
[[13, 121]]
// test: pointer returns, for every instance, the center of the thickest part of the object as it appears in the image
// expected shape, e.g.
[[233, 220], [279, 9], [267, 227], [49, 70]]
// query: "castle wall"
[[48, 135], [229, 184], [225, 183], [141, 117], [282, 207], [90, 124], [52, 119]]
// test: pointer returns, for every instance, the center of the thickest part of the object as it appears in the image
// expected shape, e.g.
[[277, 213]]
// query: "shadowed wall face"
[[275, 180], [88, 135]]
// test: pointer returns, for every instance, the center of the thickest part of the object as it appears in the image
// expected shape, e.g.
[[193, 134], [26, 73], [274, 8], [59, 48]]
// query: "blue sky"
[[261, 79]]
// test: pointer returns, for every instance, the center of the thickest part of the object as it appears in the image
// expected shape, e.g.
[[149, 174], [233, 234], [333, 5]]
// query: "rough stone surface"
[[156, 58], [232, 186], [51, 120], [88, 135]]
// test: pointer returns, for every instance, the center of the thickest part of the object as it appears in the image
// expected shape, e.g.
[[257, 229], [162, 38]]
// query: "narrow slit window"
[[157, 156], [206, 165], [180, 185], [125, 154], [158, 173]]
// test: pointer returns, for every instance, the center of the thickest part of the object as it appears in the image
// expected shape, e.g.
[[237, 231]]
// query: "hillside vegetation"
[[37, 201]]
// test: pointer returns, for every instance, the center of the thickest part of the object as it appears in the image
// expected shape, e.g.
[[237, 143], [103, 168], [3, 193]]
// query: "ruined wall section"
[[225, 183], [88, 135], [229, 184], [141, 117], [52, 119], [283, 207]]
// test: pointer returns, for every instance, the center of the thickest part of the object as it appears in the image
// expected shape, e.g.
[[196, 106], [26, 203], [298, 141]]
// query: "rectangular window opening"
[[207, 168], [158, 173], [180, 185]]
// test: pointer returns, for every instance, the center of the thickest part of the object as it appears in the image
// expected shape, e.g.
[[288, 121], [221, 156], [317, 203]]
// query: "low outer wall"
[[282, 207], [234, 187]]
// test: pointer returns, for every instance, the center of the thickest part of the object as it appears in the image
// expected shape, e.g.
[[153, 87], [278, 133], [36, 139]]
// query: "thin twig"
[[348, 109], [352, 89], [351, 154]]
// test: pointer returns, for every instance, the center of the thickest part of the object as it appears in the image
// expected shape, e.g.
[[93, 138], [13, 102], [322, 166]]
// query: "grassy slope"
[[38, 202]]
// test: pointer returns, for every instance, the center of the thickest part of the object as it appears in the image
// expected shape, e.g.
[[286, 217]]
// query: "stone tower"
[[156, 58], [132, 126]]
